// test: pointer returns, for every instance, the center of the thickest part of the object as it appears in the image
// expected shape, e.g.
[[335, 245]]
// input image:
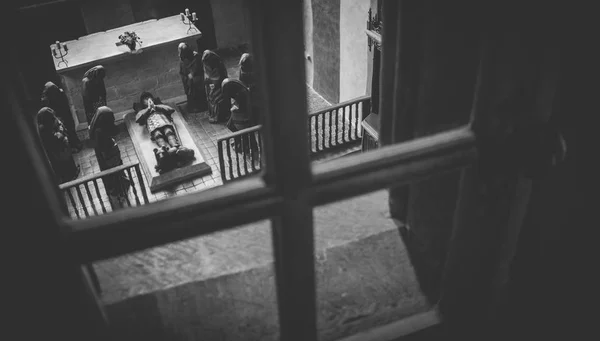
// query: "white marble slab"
[[99, 47]]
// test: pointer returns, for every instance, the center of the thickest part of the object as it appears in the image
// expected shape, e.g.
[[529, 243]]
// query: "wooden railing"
[[338, 126], [330, 129], [240, 153], [87, 196]]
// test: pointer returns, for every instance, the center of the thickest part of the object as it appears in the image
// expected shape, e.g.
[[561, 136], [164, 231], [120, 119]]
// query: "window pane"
[[210, 102], [217, 287], [431, 85], [374, 268]]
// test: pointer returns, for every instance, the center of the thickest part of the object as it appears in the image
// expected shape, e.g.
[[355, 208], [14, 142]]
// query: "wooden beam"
[[278, 31], [130, 230], [393, 165]]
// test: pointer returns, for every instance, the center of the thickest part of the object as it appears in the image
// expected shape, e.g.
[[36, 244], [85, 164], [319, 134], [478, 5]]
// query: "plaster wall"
[[353, 48], [326, 48], [308, 41]]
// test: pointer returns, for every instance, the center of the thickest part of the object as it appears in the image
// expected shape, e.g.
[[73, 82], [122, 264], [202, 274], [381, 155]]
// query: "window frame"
[[290, 187]]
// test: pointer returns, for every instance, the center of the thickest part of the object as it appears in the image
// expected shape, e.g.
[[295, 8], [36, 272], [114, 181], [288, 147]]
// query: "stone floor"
[[222, 286]]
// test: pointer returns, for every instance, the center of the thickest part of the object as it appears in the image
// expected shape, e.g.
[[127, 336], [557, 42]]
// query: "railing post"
[[142, 183]]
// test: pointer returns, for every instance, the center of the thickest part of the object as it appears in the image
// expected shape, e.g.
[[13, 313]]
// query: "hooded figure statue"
[[102, 133], [192, 77], [54, 138], [242, 115], [246, 70], [94, 91], [247, 77], [214, 75], [55, 98]]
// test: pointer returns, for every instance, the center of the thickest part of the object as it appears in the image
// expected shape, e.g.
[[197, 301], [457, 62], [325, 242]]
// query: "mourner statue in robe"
[[242, 114], [56, 99], [192, 77], [214, 75], [157, 118], [94, 91]]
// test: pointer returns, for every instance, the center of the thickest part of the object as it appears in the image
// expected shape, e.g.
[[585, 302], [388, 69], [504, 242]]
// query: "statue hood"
[[214, 68], [104, 119], [45, 119], [95, 73], [185, 52], [51, 90]]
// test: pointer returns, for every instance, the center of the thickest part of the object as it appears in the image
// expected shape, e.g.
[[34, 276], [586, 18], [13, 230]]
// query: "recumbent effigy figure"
[[157, 118]]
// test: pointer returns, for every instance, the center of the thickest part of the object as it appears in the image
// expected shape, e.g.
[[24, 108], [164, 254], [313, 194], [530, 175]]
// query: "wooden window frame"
[[290, 186]]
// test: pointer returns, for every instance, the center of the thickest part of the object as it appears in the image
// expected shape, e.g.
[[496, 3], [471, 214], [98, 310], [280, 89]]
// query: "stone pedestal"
[[155, 69]]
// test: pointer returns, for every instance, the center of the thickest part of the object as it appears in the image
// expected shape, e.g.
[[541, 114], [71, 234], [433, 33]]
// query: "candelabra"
[[57, 51], [191, 20], [374, 28]]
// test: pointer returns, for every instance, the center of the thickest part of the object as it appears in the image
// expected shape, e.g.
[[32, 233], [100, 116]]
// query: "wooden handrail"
[[240, 133], [91, 177], [340, 105]]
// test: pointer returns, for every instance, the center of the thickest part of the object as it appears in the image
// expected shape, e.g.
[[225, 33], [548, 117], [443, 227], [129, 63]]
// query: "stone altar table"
[[155, 69]]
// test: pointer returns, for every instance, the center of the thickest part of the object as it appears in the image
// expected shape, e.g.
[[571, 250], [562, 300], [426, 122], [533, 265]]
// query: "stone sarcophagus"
[[153, 67]]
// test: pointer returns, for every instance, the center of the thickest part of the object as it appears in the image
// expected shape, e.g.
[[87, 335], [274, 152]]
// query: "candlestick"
[[58, 53], [191, 19]]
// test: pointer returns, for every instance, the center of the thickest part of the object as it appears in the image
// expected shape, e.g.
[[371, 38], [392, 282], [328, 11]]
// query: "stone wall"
[[232, 23], [155, 70], [335, 41], [353, 48], [326, 48], [106, 14]]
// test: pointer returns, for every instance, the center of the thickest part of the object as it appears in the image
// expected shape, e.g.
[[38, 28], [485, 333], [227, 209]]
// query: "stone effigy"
[[183, 159], [156, 117]]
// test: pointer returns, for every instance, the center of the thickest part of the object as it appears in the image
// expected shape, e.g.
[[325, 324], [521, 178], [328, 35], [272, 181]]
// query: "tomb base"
[[144, 147]]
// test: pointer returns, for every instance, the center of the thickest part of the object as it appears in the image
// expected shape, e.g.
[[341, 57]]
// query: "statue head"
[[214, 68], [96, 73], [238, 93], [103, 120], [46, 119], [185, 52], [51, 91], [147, 100], [246, 62], [246, 69]]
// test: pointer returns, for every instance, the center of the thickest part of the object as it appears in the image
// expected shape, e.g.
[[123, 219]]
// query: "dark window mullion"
[[279, 46], [125, 231], [393, 165]]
